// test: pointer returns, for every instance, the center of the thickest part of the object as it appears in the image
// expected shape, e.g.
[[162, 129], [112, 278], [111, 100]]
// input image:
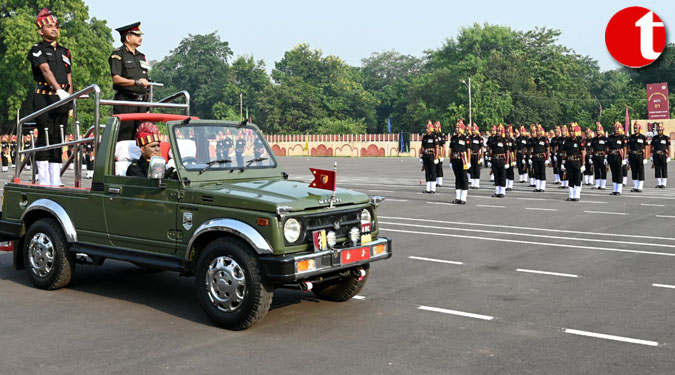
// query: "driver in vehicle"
[[147, 139]]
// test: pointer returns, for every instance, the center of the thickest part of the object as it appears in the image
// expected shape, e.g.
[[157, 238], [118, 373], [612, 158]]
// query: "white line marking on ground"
[[533, 243], [454, 312], [441, 203], [435, 260], [605, 213], [610, 337], [532, 199], [541, 209], [664, 286], [529, 229], [666, 216], [480, 196], [396, 200], [547, 273], [524, 234], [652, 205], [489, 206], [381, 191], [359, 297], [597, 202]]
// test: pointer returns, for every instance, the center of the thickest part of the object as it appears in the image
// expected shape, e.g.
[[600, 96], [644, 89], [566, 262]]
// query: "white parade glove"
[[513, 164], [467, 166], [529, 161], [441, 159], [507, 165], [624, 161], [563, 167], [421, 161], [651, 158], [668, 159], [605, 161], [480, 161], [590, 161], [582, 169], [523, 162], [555, 158], [644, 161], [489, 165], [435, 161], [547, 162], [62, 94]]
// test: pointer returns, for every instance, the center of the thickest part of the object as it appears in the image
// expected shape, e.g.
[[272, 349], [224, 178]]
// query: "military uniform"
[[573, 163], [555, 162], [258, 149], [588, 161], [440, 139], [239, 148], [27, 145], [498, 150], [539, 151], [476, 146], [4, 149], [129, 65], [615, 158], [428, 156], [138, 168], [89, 159], [660, 147], [459, 144], [599, 150], [521, 156], [510, 161], [636, 158]]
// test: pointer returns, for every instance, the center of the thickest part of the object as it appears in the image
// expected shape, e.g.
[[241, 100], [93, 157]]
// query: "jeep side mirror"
[[157, 167]]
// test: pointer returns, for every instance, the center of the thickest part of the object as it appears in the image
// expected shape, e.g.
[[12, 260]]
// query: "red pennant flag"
[[323, 179], [627, 123]]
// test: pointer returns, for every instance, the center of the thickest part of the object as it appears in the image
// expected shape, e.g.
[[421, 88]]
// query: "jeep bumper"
[[290, 268]]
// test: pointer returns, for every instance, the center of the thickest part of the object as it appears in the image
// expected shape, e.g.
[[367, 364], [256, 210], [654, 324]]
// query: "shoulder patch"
[[116, 57]]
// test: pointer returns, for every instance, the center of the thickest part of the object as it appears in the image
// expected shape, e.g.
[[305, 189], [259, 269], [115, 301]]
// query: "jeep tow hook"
[[361, 273], [306, 286]]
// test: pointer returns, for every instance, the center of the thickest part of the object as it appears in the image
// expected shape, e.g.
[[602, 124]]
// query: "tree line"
[[517, 77]]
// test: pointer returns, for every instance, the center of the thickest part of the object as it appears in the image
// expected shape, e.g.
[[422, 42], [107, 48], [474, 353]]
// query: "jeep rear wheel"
[[342, 289], [230, 286], [49, 264]]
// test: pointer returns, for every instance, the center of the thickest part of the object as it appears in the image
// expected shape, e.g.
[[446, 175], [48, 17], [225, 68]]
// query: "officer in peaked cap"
[[129, 70]]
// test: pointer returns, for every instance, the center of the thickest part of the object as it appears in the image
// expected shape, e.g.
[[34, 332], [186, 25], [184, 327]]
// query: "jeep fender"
[[236, 227], [55, 210]]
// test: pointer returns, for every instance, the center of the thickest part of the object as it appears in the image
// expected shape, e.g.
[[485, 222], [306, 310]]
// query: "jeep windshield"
[[209, 147]]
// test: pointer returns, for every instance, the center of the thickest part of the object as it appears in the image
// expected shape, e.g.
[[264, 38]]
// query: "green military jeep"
[[230, 217]]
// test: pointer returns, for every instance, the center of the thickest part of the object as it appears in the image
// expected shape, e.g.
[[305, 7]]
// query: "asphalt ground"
[[525, 284]]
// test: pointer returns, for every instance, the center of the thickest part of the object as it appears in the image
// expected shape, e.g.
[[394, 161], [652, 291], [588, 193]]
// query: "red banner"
[[323, 179], [657, 101]]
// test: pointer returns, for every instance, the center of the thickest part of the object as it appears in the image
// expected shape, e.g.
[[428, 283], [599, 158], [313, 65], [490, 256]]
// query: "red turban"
[[147, 133]]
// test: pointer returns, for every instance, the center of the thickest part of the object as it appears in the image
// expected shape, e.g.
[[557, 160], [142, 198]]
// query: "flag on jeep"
[[323, 179]]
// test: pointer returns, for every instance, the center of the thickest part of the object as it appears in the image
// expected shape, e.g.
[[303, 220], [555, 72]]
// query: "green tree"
[[248, 78], [89, 41]]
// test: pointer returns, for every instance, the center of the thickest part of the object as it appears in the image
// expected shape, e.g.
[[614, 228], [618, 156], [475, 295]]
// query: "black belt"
[[599, 153], [637, 152], [574, 157], [429, 151], [475, 152], [132, 96], [614, 152], [499, 156], [540, 155], [660, 152]]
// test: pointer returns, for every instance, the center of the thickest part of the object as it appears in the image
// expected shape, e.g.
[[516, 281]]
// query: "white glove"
[[523, 161], [651, 158], [590, 161], [547, 162], [435, 161], [624, 162], [480, 161], [563, 167], [555, 158], [644, 161], [441, 159], [421, 161], [468, 165], [507, 165], [62, 94], [605, 161], [529, 161], [489, 165], [582, 169], [668, 159]]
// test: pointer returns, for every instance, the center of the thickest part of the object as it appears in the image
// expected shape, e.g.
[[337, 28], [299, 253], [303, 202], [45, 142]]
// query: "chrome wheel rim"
[[41, 255], [225, 284]]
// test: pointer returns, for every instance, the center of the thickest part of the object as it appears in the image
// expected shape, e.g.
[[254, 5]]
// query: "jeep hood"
[[267, 195]]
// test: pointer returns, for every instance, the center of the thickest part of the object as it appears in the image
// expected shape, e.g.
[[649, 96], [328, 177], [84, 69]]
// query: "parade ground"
[[526, 284]]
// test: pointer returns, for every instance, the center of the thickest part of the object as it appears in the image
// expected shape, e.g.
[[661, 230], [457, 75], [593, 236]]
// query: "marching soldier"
[[476, 161], [459, 158], [636, 157], [588, 162], [240, 148], [441, 146], [616, 158], [555, 158], [428, 152], [510, 162], [539, 154], [574, 154], [564, 138], [50, 63], [521, 154], [599, 150], [660, 147], [530, 142], [488, 145], [5, 152], [498, 161], [129, 70]]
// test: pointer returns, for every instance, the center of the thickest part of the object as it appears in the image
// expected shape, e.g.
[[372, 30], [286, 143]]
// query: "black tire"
[[49, 263], [232, 307], [342, 289]]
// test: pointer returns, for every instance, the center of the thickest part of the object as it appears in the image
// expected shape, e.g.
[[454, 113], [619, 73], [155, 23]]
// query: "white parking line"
[[547, 273], [666, 216], [605, 213], [454, 312], [664, 286], [434, 260], [541, 209], [610, 337], [533, 243], [489, 206], [529, 229], [652, 205], [441, 203]]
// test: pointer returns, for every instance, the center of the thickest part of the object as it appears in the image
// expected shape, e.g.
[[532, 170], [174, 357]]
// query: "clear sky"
[[353, 29]]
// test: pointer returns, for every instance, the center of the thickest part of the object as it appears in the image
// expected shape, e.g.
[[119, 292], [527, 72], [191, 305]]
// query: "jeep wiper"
[[248, 163], [211, 163]]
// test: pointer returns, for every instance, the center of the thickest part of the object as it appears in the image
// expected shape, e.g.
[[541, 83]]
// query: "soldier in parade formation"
[[498, 151], [4, 150], [660, 148], [589, 177], [27, 144], [555, 160], [574, 155], [428, 157], [521, 153], [440, 139], [637, 157], [539, 152], [510, 163], [240, 148], [476, 148], [599, 150], [616, 157], [460, 156]]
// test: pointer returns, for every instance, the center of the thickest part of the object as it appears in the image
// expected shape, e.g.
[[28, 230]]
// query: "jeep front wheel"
[[342, 289], [50, 265], [230, 286]]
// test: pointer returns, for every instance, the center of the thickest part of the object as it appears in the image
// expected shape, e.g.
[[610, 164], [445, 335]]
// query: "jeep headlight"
[[292, 230], [365, 216]]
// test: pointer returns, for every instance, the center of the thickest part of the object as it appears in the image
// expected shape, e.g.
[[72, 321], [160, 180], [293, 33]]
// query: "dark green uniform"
[[134, 66]]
